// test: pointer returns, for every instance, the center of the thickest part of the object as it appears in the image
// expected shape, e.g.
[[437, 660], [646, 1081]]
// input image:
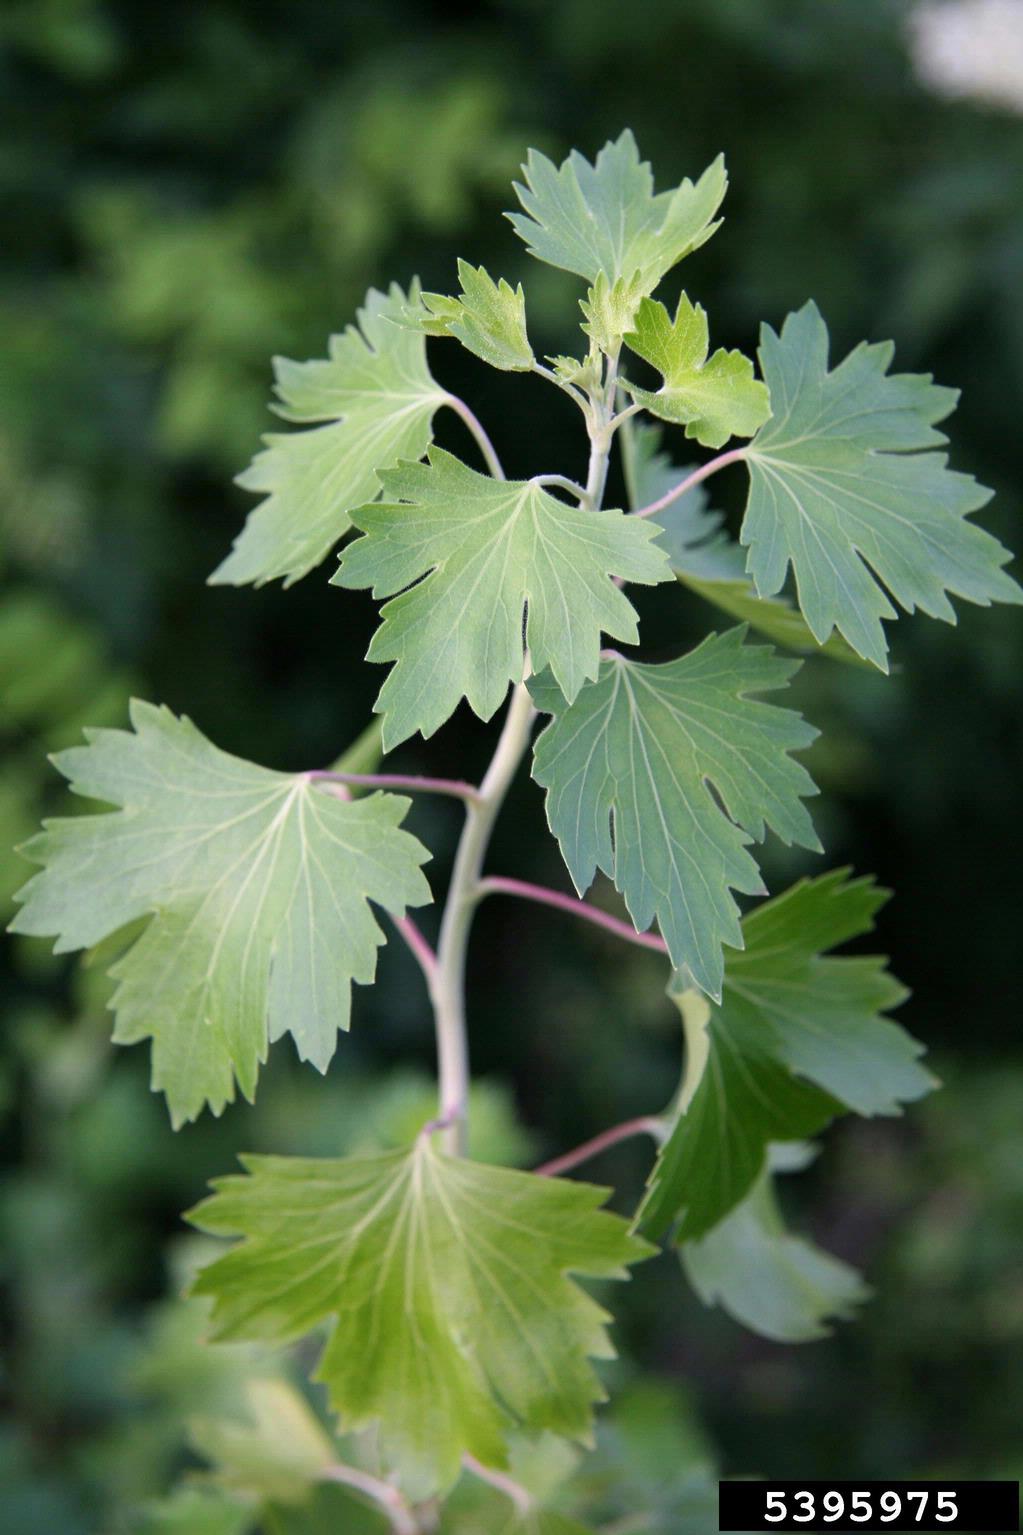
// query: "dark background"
[[192, 187]]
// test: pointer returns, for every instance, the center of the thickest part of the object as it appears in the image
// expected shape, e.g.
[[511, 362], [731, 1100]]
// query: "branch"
[[403, 1520], [476, 427], [496, 884], [733, 456], [625, 414], [447, 991], [412, 782], [518, 1494], [561, 482], [647, 1124], [424, 956], [562, 384]]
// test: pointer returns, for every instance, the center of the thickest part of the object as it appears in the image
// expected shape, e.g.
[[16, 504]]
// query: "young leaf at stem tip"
[[254, 887], [482, 553], [716, 397], [628, 769], [489, 319], [605, 217], [447, 1284], [840, 490], [797, 1038], [610, 309], [369, 404]]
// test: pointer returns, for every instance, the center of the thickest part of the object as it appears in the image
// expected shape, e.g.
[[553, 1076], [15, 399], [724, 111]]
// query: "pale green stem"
[[733, 456], [521, 1499], [447, 990], [447, 985], [625, 415], [560, 383], [478, 431], [386, 1497], [598, 423], [561, 482]]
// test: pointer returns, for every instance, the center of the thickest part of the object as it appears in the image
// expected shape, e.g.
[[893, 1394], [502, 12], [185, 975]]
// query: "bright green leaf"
[[489, 319], [489, 551], [256, 886], [781, 1286], [798, 1037], [606, 218], [376, 400], [713, 397], [704, 558], [662, 776], [446, 1283], [839, 490]]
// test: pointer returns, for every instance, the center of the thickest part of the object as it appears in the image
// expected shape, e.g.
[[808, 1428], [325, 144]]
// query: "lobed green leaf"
[[840, 490], [376, 399], [798, 1037], [488, 318], [605, 218], [713, 397], [253, 887], [497, 565], [445, 1283], [705, 559], [662, 776]]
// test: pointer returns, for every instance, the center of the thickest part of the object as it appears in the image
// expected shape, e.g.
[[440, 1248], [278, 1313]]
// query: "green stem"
[[447, 989]]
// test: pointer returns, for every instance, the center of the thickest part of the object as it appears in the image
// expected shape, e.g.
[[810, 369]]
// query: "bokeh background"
[[191, 187]]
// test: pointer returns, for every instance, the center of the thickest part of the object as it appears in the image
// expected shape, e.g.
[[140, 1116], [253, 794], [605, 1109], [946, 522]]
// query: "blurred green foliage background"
[[192, 187]]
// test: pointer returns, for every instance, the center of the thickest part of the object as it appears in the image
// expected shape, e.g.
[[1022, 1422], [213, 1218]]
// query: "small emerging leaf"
[[376, 399], [839, 490], [254, 887], [797, 1038], [489, 319], [610, 309], [713, 397], [485, 552], [606, 218], [446, 1284], [629, 768]]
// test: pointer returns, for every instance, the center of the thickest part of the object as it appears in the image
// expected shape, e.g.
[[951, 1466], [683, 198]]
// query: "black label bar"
[[849, 1506]]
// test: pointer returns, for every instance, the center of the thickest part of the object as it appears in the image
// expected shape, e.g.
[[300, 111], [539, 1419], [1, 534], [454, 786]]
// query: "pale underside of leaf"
[[369, 404], [254, 888], [605, 217], [779, 1285]]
